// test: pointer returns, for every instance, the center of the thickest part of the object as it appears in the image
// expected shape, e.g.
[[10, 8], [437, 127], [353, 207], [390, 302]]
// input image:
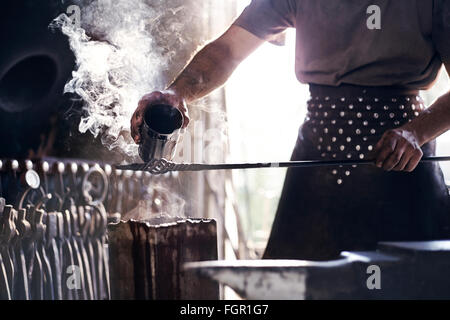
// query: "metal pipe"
[[160, 166]]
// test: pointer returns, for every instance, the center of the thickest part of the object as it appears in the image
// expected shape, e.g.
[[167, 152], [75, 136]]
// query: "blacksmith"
[[365, 62]]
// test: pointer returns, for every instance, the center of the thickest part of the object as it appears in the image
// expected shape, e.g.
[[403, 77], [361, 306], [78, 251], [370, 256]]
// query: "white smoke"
[[159, 201], [123, 50]]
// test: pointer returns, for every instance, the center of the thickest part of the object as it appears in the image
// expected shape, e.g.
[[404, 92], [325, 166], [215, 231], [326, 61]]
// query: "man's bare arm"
[[399, 149], [212, 66], [208, 70], [435, 120]]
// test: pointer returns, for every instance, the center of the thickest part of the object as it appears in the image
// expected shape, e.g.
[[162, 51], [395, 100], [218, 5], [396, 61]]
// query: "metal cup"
[[160, 132]]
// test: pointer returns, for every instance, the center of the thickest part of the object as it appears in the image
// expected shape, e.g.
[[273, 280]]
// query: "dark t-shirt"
[[334, 44]]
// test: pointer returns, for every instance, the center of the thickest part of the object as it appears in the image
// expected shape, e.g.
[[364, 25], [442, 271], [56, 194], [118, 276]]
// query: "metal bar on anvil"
[[163, 166]]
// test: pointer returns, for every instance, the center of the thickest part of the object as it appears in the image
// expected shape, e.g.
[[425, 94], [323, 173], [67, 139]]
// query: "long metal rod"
[[163, 166]]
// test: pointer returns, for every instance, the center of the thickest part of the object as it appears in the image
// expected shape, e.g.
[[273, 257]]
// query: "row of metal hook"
[[53, 182], [53, 255], [53, 226]]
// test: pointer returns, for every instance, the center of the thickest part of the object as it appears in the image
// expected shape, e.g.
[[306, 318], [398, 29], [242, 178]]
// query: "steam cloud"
[[123, 50], [160, 202]]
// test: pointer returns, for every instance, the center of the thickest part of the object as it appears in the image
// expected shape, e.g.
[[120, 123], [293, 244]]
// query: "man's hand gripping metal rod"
[[161, 166]]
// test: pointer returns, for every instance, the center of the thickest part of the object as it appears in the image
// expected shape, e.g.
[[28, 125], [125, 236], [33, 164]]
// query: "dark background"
[[36, 118]]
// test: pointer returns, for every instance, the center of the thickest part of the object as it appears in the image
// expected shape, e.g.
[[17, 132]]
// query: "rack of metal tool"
[[53, 226]]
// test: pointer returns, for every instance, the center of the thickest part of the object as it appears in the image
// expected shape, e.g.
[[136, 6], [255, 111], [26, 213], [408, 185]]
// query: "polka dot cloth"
[[349, 128]]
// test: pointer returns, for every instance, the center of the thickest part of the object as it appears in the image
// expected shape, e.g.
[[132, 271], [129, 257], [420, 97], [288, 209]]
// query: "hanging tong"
[[89, 239], [24, 230], [84, 219], [54, 253], [77, 254], [8, 233], [69, 257], [36, 270], [41, 244]]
